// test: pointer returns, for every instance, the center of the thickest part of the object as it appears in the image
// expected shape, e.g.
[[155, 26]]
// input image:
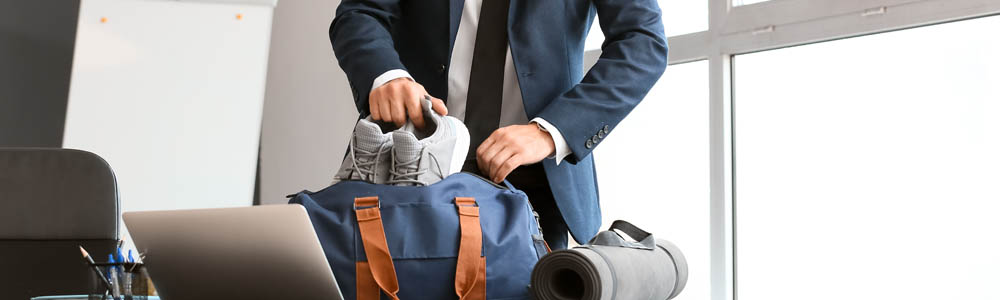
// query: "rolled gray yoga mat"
[[610, 267]]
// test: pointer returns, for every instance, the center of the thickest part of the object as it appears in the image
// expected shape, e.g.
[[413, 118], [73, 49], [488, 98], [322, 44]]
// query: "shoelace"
[[364, 162], [399, 174]]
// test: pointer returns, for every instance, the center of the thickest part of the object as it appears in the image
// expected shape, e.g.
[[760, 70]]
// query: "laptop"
[[259, 252]]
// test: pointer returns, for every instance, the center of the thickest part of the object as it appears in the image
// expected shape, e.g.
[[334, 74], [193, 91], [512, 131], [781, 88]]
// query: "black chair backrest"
[[52, 200]]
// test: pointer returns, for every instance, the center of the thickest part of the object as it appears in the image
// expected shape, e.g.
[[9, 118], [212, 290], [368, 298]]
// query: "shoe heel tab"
[[427, 104]]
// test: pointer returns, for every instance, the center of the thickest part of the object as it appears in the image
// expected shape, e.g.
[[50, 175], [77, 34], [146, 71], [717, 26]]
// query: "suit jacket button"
[[590, 144], [606, 129], [600, 134], [594, 139], [442, 69]]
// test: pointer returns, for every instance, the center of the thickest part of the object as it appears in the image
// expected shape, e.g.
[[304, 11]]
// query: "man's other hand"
[[398, 100], [510, 147]]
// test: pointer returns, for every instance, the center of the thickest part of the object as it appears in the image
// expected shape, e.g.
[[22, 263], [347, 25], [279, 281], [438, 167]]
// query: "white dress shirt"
[[512, 109]]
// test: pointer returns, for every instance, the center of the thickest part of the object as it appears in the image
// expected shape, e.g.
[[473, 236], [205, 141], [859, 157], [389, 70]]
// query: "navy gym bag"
[[460, 238]]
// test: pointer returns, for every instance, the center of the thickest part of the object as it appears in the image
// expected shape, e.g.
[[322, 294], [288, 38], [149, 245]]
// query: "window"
[[746, 2], [866, 168], [679, 17], [684, 16], [653, 169], [817, 122]]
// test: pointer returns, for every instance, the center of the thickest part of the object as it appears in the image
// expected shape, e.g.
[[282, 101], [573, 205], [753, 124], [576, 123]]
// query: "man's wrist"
[[548, 138], [390, 76], [561, 147]]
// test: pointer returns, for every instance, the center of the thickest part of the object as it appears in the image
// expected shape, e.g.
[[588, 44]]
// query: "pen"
[[115, 284], [128, 274], [90, 261], [122, 276]]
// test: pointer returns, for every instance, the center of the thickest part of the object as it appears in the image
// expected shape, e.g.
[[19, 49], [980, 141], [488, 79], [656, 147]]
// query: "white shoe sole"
[[461, 145]]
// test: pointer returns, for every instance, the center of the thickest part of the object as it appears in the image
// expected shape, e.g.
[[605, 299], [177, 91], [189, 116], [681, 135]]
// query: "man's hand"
[[510, 147], [398, 100]]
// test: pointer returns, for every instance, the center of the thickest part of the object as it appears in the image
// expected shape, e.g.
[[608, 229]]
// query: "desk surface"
[[78, 297]]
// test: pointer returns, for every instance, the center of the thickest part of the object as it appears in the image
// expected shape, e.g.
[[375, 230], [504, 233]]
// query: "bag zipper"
[[487, 180], [473, 174]]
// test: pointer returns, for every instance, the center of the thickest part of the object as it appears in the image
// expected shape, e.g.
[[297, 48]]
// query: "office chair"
[[52, 200]]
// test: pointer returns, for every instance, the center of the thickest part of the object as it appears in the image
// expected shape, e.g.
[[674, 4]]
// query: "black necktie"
[[482, 108]]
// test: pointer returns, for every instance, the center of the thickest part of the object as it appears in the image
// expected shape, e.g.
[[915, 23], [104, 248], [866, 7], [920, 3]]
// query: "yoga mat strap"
[[645, 240]]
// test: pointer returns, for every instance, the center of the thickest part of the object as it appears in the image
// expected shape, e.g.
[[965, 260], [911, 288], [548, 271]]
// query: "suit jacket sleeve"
[[362, 42], [634, 55]]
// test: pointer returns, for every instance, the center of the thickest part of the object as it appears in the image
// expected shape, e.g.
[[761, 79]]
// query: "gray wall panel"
[[36, 57], [308, 108]]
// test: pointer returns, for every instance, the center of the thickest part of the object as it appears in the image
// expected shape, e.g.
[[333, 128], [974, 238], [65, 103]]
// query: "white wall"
[[170, 94], [308, 109]]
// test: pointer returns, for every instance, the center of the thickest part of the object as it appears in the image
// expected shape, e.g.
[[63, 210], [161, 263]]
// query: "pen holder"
[[129, 282]]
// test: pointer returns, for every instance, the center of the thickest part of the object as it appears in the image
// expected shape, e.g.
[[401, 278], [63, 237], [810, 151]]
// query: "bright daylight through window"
[[746, 2], [870, 164], [679, 17], [659, 158]]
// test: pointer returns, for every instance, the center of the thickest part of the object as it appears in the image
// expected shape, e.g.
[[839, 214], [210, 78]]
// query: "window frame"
[[770, 25]]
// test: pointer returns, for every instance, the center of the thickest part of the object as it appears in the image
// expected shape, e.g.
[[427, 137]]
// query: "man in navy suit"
[[512, 70]]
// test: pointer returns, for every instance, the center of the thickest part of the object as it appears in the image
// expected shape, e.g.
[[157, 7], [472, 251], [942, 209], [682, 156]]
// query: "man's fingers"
[[398, 104], [486, 144], [498, 160], [416, 98], [487, 159], [415, 112], [488, 149], [399, 109], [439, 106], [484, 156], [506, 167], [385, 109], [373, 105]]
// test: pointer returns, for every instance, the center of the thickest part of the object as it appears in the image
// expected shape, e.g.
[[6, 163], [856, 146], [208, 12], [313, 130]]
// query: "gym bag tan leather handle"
[[470, 270], [378, 272]]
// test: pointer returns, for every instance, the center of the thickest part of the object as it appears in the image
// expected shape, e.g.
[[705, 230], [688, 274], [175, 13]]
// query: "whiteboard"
[[171, 94]]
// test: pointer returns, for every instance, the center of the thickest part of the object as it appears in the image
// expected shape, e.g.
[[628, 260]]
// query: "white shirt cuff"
[[562, 148], [389, 76]]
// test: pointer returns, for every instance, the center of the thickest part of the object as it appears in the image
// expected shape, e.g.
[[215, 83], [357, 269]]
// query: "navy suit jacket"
[[546, 40]]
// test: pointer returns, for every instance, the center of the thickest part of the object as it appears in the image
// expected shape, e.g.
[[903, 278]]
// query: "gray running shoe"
[[368, 158], [425, 156]]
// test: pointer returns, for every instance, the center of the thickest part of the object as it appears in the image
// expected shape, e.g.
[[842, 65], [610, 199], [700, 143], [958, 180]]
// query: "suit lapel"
[[454, 17]]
